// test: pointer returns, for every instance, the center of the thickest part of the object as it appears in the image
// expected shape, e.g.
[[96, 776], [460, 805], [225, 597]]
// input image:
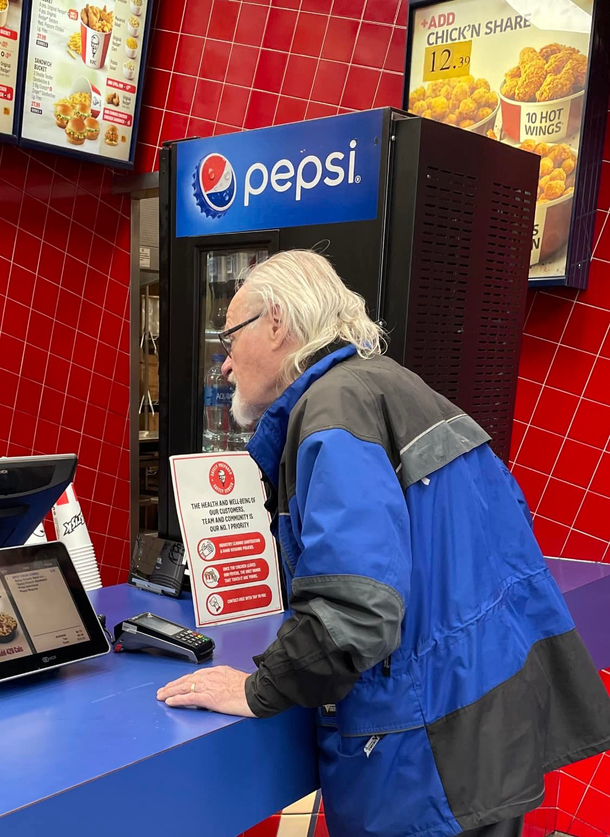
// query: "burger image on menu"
[[92, 128], [76, 131], [111, 137], [63, 114]]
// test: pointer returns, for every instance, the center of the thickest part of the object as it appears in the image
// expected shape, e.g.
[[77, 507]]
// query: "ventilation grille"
[[149, 222], [438, 308], [507, 252]]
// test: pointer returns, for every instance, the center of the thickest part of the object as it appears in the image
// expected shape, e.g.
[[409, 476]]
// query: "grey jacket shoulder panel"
[[379, 401]]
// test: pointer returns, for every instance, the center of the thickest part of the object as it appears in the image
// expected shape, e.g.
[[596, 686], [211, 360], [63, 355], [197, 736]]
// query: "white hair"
[[314, 304]]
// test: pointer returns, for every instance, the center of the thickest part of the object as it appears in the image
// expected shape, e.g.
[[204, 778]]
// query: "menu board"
[[10, 41], [515, 72], [83, 74]]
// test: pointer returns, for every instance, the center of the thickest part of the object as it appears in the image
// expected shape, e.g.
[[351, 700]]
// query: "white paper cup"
[[3, 16], [134, 31], [70, 526], [83, 551], [38, 536], [89, 577], [89, 567], [136, 10]]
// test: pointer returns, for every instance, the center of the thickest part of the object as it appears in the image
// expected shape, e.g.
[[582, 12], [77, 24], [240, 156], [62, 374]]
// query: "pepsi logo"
[[215, 185]]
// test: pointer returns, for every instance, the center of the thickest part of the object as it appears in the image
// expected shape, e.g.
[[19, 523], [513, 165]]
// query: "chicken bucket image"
[[542, 95], [551, 227], [486, 124], [95, 36], [83, 86], [551, 121]]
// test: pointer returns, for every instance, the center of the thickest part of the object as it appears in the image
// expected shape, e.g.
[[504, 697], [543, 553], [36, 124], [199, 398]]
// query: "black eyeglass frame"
[[222, 336]]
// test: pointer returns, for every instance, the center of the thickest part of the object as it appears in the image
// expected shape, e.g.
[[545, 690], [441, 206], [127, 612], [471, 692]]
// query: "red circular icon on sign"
[[222, 478]]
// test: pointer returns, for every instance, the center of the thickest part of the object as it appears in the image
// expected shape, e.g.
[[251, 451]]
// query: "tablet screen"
[[37, 610], [44, 613]]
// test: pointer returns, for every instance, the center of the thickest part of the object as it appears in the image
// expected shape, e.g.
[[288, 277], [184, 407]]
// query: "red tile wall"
[[220, 65], [64, 332], [561, 439], [223, 65]]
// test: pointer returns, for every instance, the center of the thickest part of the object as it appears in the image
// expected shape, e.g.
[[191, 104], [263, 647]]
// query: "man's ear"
[[278, 330]]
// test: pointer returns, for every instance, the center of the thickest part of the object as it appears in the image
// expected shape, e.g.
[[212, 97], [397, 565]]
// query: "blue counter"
[[88, 751]]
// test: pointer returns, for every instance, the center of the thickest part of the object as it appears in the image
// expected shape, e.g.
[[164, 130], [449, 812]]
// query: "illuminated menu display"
[[517, 73], [83, 76], [10, 39]]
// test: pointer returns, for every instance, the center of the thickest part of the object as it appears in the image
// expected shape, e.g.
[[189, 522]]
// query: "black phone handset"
[[146, 631]]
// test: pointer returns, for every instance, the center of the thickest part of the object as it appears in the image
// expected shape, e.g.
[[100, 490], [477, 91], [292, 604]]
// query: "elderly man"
[[425, 626]]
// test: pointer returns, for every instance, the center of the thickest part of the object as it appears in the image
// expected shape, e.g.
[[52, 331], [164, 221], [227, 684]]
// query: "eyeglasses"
[[224, 336]]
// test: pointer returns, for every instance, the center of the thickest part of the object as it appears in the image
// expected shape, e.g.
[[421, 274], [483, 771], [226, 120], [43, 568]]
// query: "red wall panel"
[[64, 332], [224, 65]]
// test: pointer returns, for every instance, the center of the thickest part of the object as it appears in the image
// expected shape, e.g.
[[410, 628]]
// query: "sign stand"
[[231, 552]]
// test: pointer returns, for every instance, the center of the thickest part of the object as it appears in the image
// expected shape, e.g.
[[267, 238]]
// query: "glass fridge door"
[[220, 272]]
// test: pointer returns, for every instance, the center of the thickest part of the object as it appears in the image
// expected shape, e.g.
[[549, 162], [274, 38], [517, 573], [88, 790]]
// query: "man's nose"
[[227, 367]]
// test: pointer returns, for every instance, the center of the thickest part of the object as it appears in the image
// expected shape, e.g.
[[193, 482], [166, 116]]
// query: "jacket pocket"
[[383, 785], [379, 704]]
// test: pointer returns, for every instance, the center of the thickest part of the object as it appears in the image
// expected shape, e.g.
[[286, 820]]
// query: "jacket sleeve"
[[517, 493], [352, 579]]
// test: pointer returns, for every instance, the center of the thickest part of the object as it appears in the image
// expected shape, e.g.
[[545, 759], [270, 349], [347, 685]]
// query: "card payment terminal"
[[149, 632]]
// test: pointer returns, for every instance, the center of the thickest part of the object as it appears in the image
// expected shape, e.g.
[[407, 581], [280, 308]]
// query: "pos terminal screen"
[[37, 611]]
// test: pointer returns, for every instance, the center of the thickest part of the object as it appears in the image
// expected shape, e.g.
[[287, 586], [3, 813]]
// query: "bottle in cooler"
[[217, 395], [217, 276], [240, 436]]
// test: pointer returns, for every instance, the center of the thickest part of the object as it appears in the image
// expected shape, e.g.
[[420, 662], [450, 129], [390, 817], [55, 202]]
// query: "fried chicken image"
[[532, 79], [555, 72], [556, 87], [577, 65], [557, 62], [463, 101], [550, 49]]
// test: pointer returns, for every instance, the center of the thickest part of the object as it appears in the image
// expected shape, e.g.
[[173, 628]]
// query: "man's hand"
[[220, 689]]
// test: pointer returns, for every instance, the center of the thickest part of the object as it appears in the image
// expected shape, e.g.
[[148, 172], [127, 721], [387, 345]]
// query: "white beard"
[[244, 414]]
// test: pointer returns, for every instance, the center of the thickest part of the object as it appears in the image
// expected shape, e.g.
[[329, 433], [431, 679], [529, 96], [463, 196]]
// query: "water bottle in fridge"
[[217, 395], [219, 302]]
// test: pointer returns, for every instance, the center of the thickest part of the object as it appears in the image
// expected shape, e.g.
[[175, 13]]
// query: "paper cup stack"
[[71, 530], [38, 536]]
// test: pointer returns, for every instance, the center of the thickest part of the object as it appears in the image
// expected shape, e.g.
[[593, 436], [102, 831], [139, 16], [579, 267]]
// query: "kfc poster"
[[226, 533], [515, 71]]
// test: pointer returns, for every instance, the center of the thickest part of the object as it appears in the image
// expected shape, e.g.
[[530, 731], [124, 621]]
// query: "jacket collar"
[[267, 444]]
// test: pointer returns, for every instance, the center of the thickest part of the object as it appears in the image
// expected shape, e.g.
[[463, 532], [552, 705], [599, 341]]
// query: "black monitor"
[[29, 487]]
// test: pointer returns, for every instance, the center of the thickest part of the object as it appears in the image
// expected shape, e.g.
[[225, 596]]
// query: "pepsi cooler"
[[431, 225]]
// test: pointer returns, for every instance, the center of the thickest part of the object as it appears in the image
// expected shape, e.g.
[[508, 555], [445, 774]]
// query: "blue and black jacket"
[[425, 625]]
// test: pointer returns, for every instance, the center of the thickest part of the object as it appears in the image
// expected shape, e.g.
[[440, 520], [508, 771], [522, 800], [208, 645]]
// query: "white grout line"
[[206, 39], [546, 377], [290, 54], [572, 485], [169, 86], [599, 237], [595, 470]]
